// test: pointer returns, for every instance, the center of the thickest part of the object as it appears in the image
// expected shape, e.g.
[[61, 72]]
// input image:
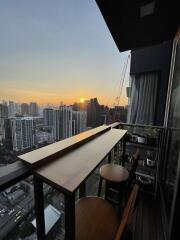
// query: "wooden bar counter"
[[69, 171]]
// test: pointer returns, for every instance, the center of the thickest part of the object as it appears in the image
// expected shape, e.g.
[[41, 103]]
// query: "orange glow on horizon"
[[54, 98], [82, 100]]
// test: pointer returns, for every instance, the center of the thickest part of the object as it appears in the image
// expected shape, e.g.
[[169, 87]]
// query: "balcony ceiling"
[[138, 23]]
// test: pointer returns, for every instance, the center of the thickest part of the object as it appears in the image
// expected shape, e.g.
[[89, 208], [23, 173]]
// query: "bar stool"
[[96, 219], [117, 178]]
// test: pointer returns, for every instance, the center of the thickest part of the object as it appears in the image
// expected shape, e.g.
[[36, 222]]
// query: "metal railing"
[[13, 173]]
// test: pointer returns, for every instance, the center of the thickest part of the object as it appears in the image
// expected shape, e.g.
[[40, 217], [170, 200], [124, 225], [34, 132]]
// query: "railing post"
[[82, 190], [39, 208], [109, 157], [70, 217], [123, 150]]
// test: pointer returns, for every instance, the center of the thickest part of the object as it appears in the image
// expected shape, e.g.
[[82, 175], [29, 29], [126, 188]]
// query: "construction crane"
[[121, 82]]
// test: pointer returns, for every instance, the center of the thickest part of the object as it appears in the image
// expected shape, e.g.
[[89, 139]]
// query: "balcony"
[[119, 152], [30, 190]]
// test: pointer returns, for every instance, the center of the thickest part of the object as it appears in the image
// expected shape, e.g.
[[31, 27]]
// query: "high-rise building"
[[8, 135], [62, 126], [11, 109], [79, 122], [4, 102], [22, 133], [95, 113], [3, 117], [33, 109], [3, 111], [48, 116], [66, 113], [43, 137], [118, 114], [57, 125], [17, 109], [14, 109], [80, 106], [25, 109]]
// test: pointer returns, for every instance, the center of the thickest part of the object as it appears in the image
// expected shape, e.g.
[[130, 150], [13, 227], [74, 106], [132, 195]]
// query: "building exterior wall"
[[95, 113], [150, 59], [62, 123], [79, 121], [48, 115], [23, 133], [25, 109], [33, 109], [3, 117]]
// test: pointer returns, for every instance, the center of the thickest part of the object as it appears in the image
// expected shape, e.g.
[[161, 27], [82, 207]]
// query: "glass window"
[[174, 140]]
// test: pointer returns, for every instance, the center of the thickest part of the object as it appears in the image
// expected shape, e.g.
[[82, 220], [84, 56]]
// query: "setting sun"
[[82, 100]]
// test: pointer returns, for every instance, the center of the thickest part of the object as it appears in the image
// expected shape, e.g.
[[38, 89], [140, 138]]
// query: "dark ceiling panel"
[[130, 31]]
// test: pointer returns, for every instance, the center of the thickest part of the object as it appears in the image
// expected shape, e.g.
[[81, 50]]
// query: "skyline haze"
[[57, 52]]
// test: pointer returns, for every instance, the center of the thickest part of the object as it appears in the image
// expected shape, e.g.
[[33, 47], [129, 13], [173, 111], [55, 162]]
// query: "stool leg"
[[100, 186], [106, 190], [121, 198]]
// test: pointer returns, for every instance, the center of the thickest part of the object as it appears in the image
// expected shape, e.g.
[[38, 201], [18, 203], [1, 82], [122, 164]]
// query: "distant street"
[[8, 222]]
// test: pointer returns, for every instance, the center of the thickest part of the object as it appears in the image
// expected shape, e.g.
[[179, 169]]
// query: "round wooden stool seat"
[[96, 219], [114, 173]]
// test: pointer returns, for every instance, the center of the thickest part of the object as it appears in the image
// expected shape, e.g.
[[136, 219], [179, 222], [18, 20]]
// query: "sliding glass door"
[[172, 122]]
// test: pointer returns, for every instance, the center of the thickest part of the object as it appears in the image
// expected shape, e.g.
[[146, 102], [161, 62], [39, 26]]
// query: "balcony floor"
[[148, 220]]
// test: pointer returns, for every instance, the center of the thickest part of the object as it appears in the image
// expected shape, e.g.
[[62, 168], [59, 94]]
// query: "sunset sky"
[[58, 51]]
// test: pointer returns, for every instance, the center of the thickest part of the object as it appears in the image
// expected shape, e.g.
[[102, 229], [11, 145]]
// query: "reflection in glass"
[[174, 140]]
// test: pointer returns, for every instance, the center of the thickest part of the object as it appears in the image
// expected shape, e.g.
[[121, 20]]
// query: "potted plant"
[[152, 135]]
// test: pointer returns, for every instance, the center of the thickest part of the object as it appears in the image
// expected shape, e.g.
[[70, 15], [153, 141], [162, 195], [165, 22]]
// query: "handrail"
[[15, 172], [12, 173], [140, 125], [115, 124], [51, 152]]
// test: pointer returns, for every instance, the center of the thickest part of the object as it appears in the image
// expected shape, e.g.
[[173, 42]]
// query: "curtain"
[[143, 98]]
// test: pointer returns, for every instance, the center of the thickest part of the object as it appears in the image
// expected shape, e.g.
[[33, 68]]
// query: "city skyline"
[[58, 52], [27, 126], [61, 103]]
